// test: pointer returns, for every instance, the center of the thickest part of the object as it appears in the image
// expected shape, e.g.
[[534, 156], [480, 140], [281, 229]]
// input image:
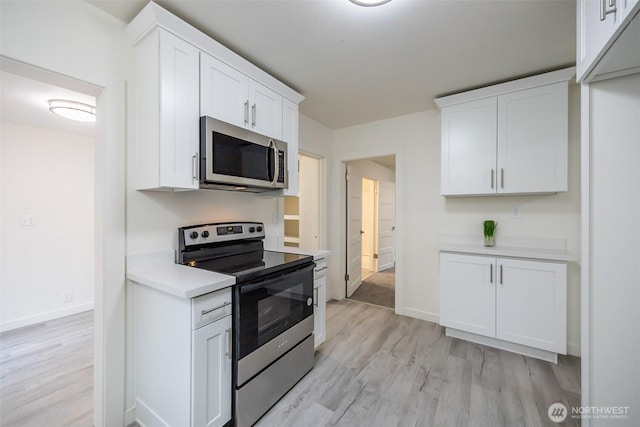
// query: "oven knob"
[[259, 229], [252, 229], [309, 302], [194, 235], [205, 234]]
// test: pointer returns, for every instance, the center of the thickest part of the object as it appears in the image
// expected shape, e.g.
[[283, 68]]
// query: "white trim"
[[563, 75], [130, 416], [585, 270], [45, 317], [422, 315], [504, 345]]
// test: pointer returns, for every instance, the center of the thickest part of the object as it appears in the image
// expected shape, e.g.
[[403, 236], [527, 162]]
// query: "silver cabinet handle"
[[607, 7], [204, 312], [321, 269], [253, 115], [490, 273], [501, 177], [227, 351], [501, 274], [194, 167], [492, 172], [246, 113], [315, 297]]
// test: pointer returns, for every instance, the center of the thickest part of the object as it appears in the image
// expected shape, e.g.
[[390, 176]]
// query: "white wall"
[[49, 175], [424, 214], [75, 39], [615, 257]]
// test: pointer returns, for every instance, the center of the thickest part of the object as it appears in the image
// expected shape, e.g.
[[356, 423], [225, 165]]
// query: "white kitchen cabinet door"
[[533, 140], [211, 374], [265, 110], [166, 104], [469, 148], [594, 33], [467, 293], [532, 304], [320, 310], [290, 125], [224, 92]]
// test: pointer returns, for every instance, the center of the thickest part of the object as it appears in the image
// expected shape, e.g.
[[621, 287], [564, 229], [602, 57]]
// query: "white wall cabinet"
[[514, 142], [290, 126], [320, 302], [233, 97], [166, 106], [601, 25], [513, 300]]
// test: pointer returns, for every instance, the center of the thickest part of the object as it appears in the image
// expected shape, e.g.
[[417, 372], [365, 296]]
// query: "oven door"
[[267, 307]]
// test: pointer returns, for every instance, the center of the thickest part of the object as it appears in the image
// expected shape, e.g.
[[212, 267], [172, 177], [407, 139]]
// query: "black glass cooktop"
[[252, 265]]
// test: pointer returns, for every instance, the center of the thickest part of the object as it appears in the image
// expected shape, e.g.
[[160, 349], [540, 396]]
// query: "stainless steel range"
[[272, 310]]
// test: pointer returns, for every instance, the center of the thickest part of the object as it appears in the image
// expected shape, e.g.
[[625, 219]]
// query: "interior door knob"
[[361, 231]]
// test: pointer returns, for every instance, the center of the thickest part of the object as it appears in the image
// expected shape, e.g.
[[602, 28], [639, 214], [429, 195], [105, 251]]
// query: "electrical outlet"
[[27, 220], [67, 296], [515, 211]]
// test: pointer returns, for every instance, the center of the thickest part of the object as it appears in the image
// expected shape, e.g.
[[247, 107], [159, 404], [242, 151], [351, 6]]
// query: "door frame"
[[339, 218]]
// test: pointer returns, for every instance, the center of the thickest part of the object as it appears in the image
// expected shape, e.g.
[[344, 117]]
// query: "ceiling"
[[25, 101], [356, 65]]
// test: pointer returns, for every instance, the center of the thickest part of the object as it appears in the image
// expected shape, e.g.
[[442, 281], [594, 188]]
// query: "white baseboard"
[[130, 416], [421, 314], [44, 317]]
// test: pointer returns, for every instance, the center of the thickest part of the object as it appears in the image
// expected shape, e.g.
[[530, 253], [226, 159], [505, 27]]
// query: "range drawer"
[[210, 307]]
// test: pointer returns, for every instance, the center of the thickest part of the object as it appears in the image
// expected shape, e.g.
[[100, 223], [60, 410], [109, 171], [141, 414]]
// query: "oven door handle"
[[252, 287]]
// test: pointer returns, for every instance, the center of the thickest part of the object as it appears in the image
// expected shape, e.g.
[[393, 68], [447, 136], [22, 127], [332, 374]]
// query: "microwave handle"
[[276, 166]]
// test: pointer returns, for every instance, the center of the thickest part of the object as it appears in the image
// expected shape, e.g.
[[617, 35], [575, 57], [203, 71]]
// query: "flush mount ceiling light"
[[73, 110], [369, 3]]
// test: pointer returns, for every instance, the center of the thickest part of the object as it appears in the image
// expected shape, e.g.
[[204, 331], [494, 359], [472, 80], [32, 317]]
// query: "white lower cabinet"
[[517, 301], [320, 302], [211, 403], [182, 353]]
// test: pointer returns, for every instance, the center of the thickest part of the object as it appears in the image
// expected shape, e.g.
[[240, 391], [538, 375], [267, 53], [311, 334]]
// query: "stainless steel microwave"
[[233, 158]]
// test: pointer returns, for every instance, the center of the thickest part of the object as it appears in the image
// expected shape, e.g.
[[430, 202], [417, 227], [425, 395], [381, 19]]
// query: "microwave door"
[[274, 170]]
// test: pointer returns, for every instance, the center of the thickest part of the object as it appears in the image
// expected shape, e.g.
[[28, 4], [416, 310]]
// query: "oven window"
[[265, 310], [235, 157]]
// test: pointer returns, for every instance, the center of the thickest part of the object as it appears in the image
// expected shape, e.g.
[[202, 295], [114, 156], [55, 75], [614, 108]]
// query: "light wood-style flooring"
[[375, 369], [46, 374], [380, 369]]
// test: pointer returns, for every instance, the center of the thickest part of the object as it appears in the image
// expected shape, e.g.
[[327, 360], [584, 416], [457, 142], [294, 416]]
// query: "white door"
[[468, 294], [386, 225], [531, 304], [532, 140], [354, 231], [368, 213], [211, 376], [224, 92], [469, 148]]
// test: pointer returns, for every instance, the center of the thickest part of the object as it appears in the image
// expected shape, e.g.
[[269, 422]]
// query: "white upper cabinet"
[[266, 110], [166, 108], [224, 92], [510, 138], [231, 96], [533, 140], [469, 148], [608, 34]]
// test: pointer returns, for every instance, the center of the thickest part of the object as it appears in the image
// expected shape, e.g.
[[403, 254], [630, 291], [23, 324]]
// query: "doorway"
[[48, 200], [370, 237]]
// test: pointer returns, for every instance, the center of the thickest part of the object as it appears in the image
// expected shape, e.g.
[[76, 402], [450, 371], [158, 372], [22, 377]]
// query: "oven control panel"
[[220, 232]]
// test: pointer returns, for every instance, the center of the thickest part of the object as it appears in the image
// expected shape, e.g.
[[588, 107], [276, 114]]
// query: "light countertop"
[[315, 253], [158, 270]]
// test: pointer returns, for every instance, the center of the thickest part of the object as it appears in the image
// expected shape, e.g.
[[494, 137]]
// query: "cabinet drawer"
[[210, 307], [321, 269]]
